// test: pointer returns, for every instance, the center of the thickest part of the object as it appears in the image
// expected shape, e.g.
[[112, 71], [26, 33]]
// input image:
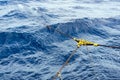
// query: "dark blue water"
[[31, 51]]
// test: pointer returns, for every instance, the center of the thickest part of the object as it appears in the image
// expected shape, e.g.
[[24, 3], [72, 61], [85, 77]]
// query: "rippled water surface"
[[31, 51]]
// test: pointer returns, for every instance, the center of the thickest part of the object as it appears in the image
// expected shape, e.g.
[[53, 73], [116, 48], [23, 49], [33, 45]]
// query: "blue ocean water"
[[31, 51]]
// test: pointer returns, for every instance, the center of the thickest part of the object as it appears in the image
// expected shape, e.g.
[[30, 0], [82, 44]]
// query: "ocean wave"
[[35, 55]]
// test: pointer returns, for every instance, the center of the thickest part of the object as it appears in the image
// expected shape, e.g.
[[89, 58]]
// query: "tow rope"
[[80, 42], [58, 74]]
